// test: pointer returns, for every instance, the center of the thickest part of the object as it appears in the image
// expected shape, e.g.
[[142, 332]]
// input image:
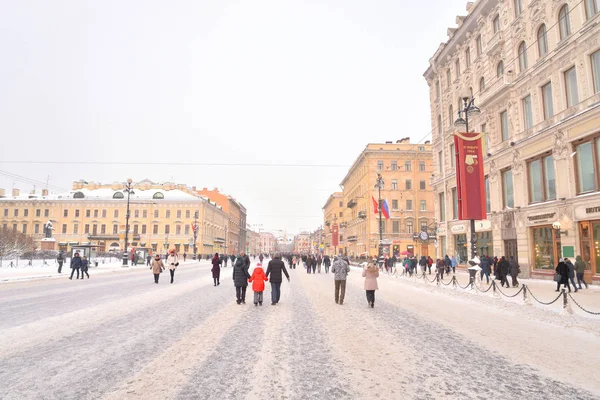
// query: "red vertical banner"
[[335, 235], [470, 186]]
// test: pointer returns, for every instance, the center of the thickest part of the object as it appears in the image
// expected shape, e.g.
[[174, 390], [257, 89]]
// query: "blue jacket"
[[76, 262], [485, 264]]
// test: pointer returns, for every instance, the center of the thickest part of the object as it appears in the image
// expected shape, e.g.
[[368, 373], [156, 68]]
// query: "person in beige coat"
[[370, 273], [157, 267]]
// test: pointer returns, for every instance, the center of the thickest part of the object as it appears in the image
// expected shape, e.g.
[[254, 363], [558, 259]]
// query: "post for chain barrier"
[[437, 278], [526, 299], [564, 294], [453, 281]]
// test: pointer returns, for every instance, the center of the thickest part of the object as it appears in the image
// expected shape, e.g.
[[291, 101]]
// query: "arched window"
[[564, 22], [158, 196], [450, 115], [522, 56], [78, 195], [500, 69], [481, 85], [118, 195], [468, 57], [542, 38]]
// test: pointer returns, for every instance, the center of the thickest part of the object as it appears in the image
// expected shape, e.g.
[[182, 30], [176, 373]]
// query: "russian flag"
[[385, 210]]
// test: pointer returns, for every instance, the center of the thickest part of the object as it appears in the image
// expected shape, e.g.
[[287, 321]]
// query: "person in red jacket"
[[258, 280]]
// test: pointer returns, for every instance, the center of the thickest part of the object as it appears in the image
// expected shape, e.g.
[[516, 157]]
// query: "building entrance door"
[[510, 249], [424, 250]]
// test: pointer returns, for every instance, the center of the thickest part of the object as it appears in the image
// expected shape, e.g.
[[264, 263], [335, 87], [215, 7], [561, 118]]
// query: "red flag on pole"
[[375, 206]]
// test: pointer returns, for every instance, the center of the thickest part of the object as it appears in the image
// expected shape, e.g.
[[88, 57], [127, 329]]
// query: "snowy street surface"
[[120, 336]]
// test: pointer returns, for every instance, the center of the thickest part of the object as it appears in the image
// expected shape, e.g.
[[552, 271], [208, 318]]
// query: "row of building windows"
[[97, 213], [547, 107], [408, 226], [408, 184], [409, 205], [38, 212], [564, 30], [96, 229], [541, 178], [407, 165]]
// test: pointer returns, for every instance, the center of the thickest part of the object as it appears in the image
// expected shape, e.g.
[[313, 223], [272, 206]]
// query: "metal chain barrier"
[[484, 291], [542, 302], [513, 295], [580, 306], [456, 280], [447, 284], [432, 281]]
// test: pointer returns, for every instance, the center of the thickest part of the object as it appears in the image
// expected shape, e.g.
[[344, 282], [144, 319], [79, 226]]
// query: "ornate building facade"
[[533, 67], [406, 170], [162, 217]]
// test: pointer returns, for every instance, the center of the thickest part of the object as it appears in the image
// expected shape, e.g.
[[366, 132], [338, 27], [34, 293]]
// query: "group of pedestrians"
[[78, 263], [566, 272], [241, 277], [158, 266]]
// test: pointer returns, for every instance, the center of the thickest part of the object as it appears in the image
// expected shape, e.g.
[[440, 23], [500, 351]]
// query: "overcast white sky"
[[217, 82]]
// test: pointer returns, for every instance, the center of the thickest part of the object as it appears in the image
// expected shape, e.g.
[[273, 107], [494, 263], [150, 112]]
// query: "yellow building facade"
[[406, 172], [162, 217]]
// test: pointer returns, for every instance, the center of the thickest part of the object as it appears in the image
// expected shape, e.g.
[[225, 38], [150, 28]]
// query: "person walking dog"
[[275, 269], [370, 273]]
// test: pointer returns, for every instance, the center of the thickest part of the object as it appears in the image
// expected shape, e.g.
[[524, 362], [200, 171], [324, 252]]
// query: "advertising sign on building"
[[469, 176], [335, 235]]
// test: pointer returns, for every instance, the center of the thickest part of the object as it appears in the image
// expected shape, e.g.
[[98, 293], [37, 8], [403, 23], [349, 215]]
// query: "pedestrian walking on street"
[[440, 267], [454, 264], [157, 267], [173, 263], [60, 259], [224, 259], [571, 273], [423, 263], [327, 263], [503, 268], [485, 265], [84, 267], [340, 269], [216, 269], [275, 268], [258, 280], [580, 270], [514, 270], [563, 279], [233, 258], [184, 256], [240, 279], [313, 264], [319, 262], [370, 273], [75, 265], [149, 260]]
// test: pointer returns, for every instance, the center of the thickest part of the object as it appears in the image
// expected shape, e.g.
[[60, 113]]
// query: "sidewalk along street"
[[39, 270], [542, 290]]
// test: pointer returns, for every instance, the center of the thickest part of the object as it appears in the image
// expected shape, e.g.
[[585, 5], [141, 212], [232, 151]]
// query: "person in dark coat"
[[423, 263], [246, 259], [563, 270], [75, 265], [440, 267], [486, 265], [503, 268], [216, 269], [240, 279], [232, 257], [224, 260], [327, 263], [571, 273], [447, 263], [275, 269], [580, 270], [514, 271], [148, 260], [84, 267], [60, 259]]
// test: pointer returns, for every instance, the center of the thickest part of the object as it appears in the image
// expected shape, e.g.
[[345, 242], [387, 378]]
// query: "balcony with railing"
[[351, 204], [495, 42]]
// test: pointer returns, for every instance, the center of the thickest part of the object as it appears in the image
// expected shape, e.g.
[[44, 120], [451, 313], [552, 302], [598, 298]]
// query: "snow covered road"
[[120, 336]]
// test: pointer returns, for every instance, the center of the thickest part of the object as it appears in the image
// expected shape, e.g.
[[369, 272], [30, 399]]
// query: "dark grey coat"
[[240, 273], [275, 268]]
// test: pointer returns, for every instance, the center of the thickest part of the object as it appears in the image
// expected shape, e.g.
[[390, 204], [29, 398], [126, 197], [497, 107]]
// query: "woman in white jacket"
[[172, 263]]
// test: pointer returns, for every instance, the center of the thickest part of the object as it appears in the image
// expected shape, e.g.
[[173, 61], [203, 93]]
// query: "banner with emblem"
[[335, 235], [470, 185]]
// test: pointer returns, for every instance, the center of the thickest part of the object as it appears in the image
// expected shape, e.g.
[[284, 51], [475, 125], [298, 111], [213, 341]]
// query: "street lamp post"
[[195, 232], [469, 108], [379, 185], [129, 190]]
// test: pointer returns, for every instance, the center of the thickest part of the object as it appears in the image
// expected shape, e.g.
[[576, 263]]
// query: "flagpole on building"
[[379, 185]]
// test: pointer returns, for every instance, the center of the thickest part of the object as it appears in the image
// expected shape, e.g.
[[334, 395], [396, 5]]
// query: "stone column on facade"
[[563, 174]]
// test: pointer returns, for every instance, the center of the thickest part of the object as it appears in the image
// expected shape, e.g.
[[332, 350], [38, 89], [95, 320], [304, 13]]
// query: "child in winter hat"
[[258, 280]]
